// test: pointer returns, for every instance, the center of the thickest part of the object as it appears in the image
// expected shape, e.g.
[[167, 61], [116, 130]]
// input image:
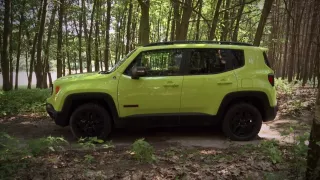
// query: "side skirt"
[[166, 120]]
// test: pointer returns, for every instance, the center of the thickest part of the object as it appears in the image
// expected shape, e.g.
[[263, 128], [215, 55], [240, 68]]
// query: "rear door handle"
[[224, 82]]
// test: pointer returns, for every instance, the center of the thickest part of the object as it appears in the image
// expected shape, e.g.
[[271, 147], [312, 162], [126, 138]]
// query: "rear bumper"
[[270, 113], [60, 118]]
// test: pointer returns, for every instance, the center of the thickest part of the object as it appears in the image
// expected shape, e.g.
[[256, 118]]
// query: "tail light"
[[271, 79], [57, 89]]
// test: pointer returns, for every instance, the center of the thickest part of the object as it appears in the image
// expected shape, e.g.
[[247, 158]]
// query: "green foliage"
[[143, 151], [274, 176], [15, 155], [12, 156], [90, 143], [271, 149], [42, 145], [283, 86], [301, 147], [23, 100], [88, 159]]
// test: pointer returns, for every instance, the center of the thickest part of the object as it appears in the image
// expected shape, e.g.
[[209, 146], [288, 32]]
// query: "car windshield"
[[119, 63]]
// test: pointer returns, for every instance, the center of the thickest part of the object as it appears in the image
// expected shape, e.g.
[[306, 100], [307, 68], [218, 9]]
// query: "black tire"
[[242, 122], [90, 120]]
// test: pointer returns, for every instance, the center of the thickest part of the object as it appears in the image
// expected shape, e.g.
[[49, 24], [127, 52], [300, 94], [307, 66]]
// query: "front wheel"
[[242, 122], [90, 120]]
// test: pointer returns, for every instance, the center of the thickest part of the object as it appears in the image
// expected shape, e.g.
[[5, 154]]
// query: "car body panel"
[[149, 95], [194, 94]]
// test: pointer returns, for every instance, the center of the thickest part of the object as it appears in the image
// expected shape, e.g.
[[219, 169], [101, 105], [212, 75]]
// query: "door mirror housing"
[[137, 72]]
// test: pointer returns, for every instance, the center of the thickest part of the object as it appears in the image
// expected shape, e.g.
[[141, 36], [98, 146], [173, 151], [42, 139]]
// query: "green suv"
[[171, 84]]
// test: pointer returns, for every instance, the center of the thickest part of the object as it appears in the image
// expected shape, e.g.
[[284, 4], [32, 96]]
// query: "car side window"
[[213, 61], [158, 62]]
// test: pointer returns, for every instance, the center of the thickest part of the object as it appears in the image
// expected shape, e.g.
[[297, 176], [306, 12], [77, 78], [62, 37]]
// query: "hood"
[[76, 77]]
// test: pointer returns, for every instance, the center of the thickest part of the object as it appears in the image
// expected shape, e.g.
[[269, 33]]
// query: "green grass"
[[23, 100]]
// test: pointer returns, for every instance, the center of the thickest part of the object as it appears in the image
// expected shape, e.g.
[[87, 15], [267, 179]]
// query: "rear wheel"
[[90, 120], [242, 122]]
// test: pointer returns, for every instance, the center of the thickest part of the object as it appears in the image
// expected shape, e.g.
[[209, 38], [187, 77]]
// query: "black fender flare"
[[99, 97], [234, 97]]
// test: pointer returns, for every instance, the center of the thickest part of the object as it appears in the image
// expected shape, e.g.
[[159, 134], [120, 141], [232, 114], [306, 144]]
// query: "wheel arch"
[[256, 98], [73, 101]]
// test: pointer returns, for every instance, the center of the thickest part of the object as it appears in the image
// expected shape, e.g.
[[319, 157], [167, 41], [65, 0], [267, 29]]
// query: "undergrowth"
[[23, 100], [143, 151], [16, 155]]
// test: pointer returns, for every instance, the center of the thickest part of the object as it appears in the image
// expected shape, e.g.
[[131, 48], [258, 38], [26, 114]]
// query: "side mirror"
[[138, 72]]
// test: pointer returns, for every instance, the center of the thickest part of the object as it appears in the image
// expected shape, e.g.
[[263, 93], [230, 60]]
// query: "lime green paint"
[[171, 94]]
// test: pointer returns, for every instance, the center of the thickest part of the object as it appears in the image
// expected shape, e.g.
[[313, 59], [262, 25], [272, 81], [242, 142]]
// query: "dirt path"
[[35, 126], [182, 153]]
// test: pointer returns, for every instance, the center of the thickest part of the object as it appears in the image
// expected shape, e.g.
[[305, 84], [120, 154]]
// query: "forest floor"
[[180, 153]]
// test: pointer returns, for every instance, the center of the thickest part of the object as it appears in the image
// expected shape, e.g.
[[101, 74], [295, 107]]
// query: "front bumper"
[[270, 113], [60, 118]]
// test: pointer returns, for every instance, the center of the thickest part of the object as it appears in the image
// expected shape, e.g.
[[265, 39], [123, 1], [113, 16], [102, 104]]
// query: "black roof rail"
[[198, 42]]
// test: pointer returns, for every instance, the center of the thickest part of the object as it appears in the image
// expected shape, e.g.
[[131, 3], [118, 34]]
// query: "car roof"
[[199, 44]]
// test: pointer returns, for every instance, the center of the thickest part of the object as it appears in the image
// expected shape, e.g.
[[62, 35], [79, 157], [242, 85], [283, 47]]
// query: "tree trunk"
[[215, 21], [67, 44], [11, 49], [316, 9], [47, 49], [313, 158], [144, 29], [89, 66], [19, 47], [129, 27], [84, 21], [263, 19], [176, 19], [80, 41], [59, 44], [96, 43], [225, 27], [285, 56], [5, 47], [38, 65], [117, 38], [107, 45], [198, 21], [239, 15], [168, 25], [186, 14], [64, 63]]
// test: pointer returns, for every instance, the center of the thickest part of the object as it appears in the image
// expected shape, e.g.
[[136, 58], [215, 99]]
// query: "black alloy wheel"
[[90, 120], [242, 122]]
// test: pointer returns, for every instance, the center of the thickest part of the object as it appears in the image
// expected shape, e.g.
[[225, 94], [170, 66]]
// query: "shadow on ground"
[[33, 126]]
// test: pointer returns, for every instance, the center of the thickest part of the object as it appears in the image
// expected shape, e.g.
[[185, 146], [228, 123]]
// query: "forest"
[[49, 39], [69, 37]]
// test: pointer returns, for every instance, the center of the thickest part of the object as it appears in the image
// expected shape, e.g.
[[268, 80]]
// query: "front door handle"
[[224, 82]]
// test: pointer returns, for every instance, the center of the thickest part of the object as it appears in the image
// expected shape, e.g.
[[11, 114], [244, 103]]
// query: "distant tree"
[[144, 29], [107, 40], [59, 44], [215, 20], [21, 23], [5, 47], [263, 19]]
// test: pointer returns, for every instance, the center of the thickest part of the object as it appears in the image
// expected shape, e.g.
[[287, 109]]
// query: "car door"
[[159, 91], [209, 77]]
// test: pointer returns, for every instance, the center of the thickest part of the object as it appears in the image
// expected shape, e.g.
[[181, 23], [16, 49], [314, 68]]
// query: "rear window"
[[266, 60], [214, 61]]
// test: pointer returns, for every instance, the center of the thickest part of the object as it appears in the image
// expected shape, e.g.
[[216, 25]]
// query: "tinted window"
[[213, 61], [159, 62]]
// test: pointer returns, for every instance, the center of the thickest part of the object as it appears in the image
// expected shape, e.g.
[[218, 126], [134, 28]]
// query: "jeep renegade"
[[171, 84]]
